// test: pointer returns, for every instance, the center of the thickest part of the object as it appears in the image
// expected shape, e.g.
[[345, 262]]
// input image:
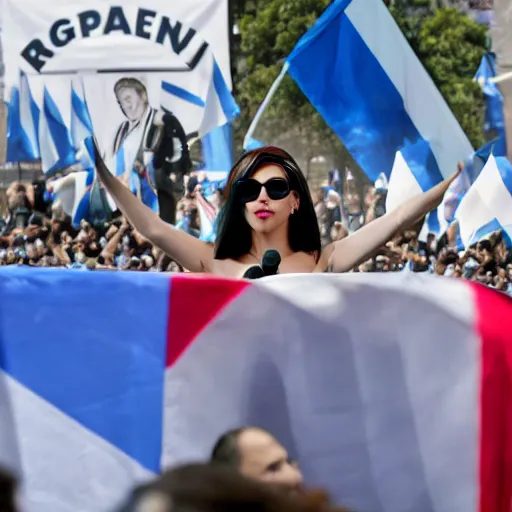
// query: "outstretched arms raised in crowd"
[[346, 254], [186, 250]]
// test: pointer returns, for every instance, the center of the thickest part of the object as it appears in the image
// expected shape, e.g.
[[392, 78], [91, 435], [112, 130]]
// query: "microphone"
[[270, 262], [254, 272]]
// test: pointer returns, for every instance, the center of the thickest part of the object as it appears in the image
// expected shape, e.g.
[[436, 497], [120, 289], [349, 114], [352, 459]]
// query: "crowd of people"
[[37, 233], [488, 262]]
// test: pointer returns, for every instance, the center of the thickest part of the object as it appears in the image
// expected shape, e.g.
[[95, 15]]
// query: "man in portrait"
[[150, 149]]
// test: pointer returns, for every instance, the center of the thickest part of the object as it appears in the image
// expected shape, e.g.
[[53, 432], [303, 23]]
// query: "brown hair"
[[214, 488], [234, 238]]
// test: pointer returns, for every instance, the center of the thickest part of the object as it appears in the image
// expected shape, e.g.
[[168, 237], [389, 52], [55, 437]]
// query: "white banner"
[[117, 70], [68, 36]]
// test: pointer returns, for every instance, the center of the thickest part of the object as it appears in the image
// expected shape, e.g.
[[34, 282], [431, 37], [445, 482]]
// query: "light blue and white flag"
[[358, 70], [22, 124], [401, 187], [487, 206]]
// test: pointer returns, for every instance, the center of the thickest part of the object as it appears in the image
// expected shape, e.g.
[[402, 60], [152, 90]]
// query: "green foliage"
[[268, 37]]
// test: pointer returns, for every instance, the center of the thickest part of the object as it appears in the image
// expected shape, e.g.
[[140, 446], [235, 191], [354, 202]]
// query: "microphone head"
[[271, 258], [270, 262], [255, 272]]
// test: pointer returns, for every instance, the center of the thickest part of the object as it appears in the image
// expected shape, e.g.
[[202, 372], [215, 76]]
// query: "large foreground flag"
[[393, 391]]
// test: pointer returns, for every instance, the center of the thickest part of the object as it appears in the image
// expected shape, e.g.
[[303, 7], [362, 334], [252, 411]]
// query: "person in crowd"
[[20, 201], [258, 455], [214, 488], [267, 206]]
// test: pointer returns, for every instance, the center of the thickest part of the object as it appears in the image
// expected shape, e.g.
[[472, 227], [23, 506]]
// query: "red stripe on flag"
[[194, 302], [494, 325]]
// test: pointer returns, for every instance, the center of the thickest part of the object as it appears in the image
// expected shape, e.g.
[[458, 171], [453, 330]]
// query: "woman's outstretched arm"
[[344, 255], [183, 248]]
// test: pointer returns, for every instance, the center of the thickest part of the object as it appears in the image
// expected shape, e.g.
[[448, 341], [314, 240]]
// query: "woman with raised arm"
[[267, 206]]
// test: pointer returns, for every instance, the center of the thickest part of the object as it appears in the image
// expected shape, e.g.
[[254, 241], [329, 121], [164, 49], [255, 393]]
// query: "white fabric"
[[423, 101], [23, 20], [402, 186], [398, 433]]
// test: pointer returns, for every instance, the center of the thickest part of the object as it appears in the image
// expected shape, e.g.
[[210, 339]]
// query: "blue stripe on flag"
[[120, 166], [218, 149], [228, 103], [109, 374], [60, 134], [348, 86], [19, 148], [182, 94]]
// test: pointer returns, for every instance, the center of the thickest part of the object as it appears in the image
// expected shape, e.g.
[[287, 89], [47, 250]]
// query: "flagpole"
[[264, 105]]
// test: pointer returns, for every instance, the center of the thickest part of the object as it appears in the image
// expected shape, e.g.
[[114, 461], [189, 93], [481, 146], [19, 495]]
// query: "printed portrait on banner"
[[143, 144]]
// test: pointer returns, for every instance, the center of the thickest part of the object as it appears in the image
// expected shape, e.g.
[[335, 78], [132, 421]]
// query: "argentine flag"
[[358, 70], [487, 206]]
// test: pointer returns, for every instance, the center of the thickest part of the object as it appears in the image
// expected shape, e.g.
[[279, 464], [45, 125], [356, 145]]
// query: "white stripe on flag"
[[422, 100], [383, 428]]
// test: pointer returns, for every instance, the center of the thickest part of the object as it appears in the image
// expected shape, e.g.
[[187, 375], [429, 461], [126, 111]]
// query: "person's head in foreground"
[[267, 196], [256, 454], [216, 488], [7, 492]]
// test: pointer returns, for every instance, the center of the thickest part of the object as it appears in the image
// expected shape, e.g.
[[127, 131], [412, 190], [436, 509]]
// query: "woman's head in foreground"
[[265, 191], [216, 488]]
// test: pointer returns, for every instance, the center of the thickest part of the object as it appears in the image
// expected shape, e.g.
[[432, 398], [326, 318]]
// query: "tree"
[[267, 37]]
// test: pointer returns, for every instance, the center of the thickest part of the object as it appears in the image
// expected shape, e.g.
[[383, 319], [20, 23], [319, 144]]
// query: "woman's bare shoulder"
[[229, 268], [322, 264]]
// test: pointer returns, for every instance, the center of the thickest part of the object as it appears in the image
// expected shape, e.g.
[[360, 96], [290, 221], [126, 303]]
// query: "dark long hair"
[[234, 238]]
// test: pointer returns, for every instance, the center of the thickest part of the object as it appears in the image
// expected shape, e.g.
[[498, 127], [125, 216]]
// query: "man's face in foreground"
[[264, 459]]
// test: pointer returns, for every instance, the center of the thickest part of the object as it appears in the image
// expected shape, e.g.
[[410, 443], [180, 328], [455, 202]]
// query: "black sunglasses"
[[248, 190]]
